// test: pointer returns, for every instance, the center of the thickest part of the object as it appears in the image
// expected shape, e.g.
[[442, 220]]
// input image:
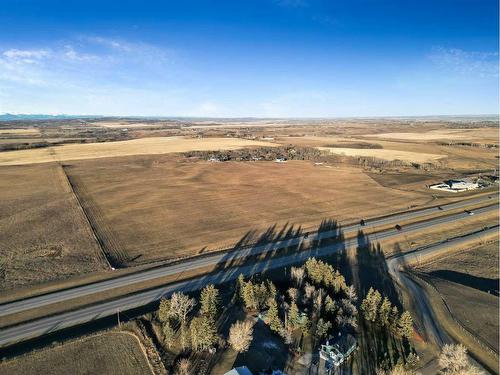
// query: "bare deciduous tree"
[[297, 275], [183, 367], [181, 305], [241, 335], [453, 360], [350, 293], [308, 292], [293, 293]]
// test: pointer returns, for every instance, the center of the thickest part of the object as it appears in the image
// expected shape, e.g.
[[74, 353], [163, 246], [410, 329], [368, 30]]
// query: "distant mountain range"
[[10, 117]]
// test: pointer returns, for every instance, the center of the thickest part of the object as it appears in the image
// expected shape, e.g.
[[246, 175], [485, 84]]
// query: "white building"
[[455, 186]]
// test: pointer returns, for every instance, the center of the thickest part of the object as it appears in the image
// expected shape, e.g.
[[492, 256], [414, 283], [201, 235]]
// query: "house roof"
[[243, 370]]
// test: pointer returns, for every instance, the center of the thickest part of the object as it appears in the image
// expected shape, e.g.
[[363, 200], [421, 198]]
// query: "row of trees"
[[201, 333], [174, 312], [384, 314], [319, 300]]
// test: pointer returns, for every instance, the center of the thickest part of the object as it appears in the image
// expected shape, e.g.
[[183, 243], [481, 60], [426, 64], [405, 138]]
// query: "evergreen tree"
[[164, 310], [293, 315], [330, 305], [393, 319], [240, 285], [384, 312], [203, 333], [405, 325], [322, 328], [209, 300], [273, 318], [370, 305], [304, 324], [168, 334], [248, 295]]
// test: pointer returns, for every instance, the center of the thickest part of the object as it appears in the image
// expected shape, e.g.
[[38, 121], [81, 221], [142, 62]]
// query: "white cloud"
[[26, 54], [111, 43], [71, 54], [475, 63]]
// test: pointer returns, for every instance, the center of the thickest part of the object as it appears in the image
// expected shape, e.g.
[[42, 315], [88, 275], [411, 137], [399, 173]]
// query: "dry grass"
[[110, 353], [142, 146], [490, 134], [457, 157], [463, 280], [23, 131], [407, 156], [440, 233], [481, 261], [43, 233], [125, 124], [163, 207]]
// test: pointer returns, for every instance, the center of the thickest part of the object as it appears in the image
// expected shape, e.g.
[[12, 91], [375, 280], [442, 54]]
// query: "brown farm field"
[[163, 207], [468, 282], [408, 156], [109, 353], [141, 146], [44, 235], [147, 202], [418, 149]]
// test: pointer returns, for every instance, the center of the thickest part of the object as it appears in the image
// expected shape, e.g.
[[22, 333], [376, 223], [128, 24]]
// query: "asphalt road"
[[430, 326], [227, 257], [426, 320], [54, 323]]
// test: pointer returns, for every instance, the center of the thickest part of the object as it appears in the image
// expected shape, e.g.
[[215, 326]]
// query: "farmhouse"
[[335, 354]]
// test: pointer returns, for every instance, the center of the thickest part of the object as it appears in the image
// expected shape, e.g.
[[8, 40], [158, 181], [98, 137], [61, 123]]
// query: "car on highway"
[[398, 227], [469, 212], [362, 222], [440, 208]]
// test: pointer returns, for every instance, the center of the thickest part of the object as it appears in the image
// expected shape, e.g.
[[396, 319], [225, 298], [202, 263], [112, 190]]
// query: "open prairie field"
[[17, 132], [142, 146], [468, 282], [44, 235], [455, 156], [125, 124], [161, 207], [407, 156], [109, 353], [472, 135]]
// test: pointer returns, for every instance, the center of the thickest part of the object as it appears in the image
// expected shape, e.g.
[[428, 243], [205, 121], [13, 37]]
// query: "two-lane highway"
[[223, 257], [49, 324]]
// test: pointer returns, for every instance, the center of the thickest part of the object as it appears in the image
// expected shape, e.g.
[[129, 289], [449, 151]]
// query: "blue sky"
[[262, 58]]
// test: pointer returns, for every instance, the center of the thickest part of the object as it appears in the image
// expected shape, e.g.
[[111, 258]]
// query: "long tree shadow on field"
[[277, 249], [483, 284], [368, 268], [271, 252]]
